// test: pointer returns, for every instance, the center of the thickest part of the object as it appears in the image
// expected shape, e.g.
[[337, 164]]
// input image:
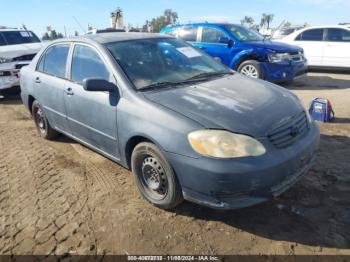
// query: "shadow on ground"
[[319, 82], [10, 99], [315, 212]]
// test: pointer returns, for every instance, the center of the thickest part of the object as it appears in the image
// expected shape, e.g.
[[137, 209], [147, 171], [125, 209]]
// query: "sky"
[[59, 14]]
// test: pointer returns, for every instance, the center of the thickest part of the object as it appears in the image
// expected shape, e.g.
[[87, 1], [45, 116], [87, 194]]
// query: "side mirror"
[[226, 40], [96, 84], [230, 43], [223, 40]]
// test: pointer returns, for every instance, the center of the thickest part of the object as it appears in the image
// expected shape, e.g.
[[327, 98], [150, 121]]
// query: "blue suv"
[[244, 50]]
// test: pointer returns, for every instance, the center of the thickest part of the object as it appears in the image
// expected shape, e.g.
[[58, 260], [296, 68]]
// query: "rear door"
[[337, 48], [211, 44], [92, 116], [312, 41], [50, 80]]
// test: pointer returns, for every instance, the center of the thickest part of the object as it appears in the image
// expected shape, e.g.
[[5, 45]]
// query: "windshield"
[[244, 34], [152, 62], [18, 37]]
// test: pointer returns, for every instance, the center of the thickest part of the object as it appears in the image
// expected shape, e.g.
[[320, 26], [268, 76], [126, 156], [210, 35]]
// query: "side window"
[[54, 61], [211, 35], [338, 35], [86, 63], [2, 40], [311, 35], [188, 34]]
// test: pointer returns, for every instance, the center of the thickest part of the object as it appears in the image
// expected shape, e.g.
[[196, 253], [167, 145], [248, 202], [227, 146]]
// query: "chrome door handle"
[[69, 91]]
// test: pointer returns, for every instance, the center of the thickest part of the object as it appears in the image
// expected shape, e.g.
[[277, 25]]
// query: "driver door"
[[211, 44]]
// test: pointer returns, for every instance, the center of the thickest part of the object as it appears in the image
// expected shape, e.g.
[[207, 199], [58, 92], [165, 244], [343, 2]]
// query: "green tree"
[[46, 37], [156, 24], [247, 21], [266, 20]]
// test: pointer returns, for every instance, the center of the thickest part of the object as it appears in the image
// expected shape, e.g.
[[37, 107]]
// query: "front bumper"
[[283, 71], [9, 74], [239, 183]]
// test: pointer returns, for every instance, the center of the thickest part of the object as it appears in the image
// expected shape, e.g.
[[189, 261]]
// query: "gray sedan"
[[187, 126]]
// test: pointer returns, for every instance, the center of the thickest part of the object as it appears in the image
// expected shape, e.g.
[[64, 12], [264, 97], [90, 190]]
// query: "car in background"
[[283, 32], [244, 50], [187, 126], [102, 31], [324, 46], [17, 49]]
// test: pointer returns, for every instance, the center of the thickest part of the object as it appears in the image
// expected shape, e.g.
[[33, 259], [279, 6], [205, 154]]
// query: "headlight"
[[5, 60], [279, 57], [224, 144]]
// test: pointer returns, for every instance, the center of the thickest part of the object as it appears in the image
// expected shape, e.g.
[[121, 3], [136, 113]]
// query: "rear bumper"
[[239, 183], [283, 71]]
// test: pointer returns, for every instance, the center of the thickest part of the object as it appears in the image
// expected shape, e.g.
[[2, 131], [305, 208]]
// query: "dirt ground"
[[59, 197]]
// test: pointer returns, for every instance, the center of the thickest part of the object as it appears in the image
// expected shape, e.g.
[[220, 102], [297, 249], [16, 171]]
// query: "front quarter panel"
[[138, 116]]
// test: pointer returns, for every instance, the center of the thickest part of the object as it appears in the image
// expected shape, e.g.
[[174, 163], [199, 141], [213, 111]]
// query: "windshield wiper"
[[209, 74], [163, 84], [196, 78]]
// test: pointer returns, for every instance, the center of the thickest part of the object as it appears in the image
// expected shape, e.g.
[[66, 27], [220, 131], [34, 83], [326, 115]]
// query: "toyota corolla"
[[187, 126]]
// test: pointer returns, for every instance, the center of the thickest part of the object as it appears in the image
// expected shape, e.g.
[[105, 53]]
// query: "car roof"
[[104, 38], [328, 26], [12, 29], [201, 24]]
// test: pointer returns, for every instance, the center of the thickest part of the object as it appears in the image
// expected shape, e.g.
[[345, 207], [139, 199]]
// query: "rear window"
[[18, 37]]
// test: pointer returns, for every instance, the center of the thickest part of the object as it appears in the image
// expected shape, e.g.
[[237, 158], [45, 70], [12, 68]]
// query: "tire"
[[250, 68], [41, 122], [155, 177]]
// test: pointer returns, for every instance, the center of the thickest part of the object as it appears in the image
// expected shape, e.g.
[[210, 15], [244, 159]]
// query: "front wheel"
[[250, 68], [155, 177]]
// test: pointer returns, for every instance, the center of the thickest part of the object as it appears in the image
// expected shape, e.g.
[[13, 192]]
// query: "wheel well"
[[242, 59], [130, 145], [31, 99]]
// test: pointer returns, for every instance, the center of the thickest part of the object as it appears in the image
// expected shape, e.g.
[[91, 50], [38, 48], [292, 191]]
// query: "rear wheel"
[[250, 68], [41, 122], [155, 177]]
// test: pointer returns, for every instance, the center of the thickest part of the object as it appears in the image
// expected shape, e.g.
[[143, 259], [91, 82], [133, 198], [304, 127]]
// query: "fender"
[[244, 53]]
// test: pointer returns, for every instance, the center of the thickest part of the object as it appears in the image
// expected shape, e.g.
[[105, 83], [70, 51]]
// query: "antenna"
[[76, 20]]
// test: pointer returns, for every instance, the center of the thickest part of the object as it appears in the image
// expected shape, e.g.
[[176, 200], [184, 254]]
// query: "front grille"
[[24, 58], [289, 131], [5, 73]]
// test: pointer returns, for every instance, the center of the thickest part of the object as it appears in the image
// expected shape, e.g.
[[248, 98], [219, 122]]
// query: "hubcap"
[[154, 178], [250, 70], [40, 120]]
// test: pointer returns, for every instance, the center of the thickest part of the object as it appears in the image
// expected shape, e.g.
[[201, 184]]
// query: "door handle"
[[69, 91], [37, 80]]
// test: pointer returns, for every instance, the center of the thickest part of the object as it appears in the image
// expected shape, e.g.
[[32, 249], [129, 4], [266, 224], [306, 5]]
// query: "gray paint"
[[107, 121]]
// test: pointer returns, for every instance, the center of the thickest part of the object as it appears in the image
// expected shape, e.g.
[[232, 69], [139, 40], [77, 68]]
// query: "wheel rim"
[[250, 70], [40, 120], [153, 178]]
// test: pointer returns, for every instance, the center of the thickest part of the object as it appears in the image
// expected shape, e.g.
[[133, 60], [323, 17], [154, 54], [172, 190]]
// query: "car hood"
[[273, 45], [235, 103], [13, 51]]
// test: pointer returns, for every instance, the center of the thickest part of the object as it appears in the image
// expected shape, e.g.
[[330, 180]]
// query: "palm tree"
[[266, 19], [247, 20]]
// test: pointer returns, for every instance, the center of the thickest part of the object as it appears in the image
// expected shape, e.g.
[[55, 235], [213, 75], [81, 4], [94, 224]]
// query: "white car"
[[324, 46], [17, 49]]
